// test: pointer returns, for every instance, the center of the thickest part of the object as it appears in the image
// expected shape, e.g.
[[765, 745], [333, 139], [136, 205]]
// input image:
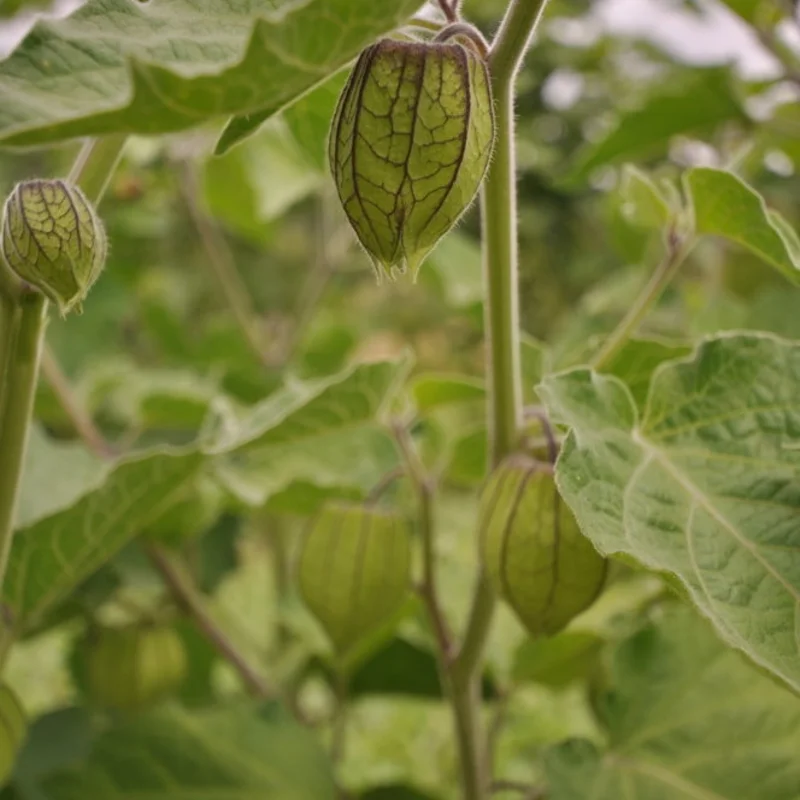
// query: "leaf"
[[434, 390], [176, 68], [276, 175], [469, 461], [636, 361], [326, 433], [643, 204], [220, 754], [55, 475], [687, 719], [704, 485], [456, 262], [698, 103], [395, 791], [726, 206], [558, 660], [51, 556]]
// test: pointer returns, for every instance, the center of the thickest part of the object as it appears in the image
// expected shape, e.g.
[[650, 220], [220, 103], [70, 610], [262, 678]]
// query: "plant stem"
[[223, 266], [22, 351], [188, 597], [677, 250], [95, 164], [21, 373], [499, 208]]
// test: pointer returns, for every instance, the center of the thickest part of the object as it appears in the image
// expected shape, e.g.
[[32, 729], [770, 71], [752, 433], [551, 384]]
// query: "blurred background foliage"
[[230, 277]]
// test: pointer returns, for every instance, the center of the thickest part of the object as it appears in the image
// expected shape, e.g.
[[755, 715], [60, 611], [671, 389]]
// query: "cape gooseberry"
[[533, 550], [128, 668], [410, 143], [354, 570], [53, 240]]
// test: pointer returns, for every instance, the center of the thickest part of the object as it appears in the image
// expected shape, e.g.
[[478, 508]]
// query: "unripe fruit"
[[13, 727], [410, 143], [53, 240], [190, 516], [132, 667], [354, 570], [533, 550]]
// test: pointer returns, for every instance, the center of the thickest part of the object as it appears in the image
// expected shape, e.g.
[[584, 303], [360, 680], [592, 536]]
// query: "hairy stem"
[[22, 350], [191, 601], [21, 372], [676, 253], [499, 208]]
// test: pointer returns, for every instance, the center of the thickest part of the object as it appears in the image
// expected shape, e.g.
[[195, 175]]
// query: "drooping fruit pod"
[[129, 668], [53, 240], [533, 550], [13, 727], [410, 143], [196, 511], [354, 570]]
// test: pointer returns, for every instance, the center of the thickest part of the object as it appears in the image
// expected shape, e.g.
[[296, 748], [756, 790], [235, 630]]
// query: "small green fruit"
[[132, 667], [190, 516], [53, 240], [13, 727], [533, 550], [354, 570], [410, 144]]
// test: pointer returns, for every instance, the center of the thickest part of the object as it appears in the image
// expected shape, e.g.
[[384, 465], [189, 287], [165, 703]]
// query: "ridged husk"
[[53, 240], [410, 144], [354, 570], [129, 668], [533, 550]]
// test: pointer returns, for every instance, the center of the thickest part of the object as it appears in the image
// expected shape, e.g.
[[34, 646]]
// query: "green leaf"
[[326, 433], [395, 791], [703, 485], [221, 754], [687, 720], [470, 458], [636, 361], [67, 470], [698, 103], [456, 262], [726, 206], [558, 660], [276, 173], [175, 67], [434, 390], [51, 556], [643, 204]]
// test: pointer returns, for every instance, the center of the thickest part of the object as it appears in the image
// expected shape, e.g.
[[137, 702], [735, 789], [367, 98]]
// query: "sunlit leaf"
[[726, 206], [703, 484]]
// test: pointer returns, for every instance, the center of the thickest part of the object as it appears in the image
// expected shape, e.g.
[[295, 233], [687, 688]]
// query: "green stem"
[[21, 352], [499, 207], [95, 164], [21, 374], [677, 250]]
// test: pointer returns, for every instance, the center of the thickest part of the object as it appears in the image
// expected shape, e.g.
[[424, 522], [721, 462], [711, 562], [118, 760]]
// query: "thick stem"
[[499, 207], [21, 374], [189, 599], [677, 250], [91, 171], [9, 318]]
